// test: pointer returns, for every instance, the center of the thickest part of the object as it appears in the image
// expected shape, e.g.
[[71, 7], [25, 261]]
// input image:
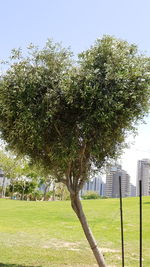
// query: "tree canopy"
[[10, 165], [70, 116], [55, 111]]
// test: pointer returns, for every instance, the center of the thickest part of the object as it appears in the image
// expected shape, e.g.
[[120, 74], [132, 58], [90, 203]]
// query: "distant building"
[[3, 183], [112, 182], [143, 174], [96, 184], [132, 190], [2, 179]]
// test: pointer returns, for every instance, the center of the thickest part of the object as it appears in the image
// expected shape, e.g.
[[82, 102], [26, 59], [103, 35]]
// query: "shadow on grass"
[[146, 202], [15, 265]]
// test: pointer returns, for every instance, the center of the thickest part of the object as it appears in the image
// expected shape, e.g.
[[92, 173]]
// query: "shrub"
[[36, 195], [91, 195]]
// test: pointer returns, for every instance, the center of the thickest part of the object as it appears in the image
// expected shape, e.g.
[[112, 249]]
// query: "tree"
[[18, 171], [70, 117], [61, 191], [10, 166], [46, 180], [23, 187]]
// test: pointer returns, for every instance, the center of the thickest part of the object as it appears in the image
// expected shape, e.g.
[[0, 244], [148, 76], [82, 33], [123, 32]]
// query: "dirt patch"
[[106, 250], [57, 244], [76, 246]]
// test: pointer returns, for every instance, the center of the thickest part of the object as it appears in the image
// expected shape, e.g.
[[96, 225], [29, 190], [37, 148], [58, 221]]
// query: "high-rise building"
[[112, 182], [132, 190], [143, 174], [96, 184]]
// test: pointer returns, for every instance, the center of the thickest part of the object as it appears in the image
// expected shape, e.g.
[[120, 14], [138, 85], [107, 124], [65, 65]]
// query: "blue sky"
[[77, 23]]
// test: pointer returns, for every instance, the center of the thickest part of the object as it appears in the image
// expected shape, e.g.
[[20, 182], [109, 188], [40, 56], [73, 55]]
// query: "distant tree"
[[23, 187], [71, 117], [17, 170], [61, 191], [10, 166], [46, 180]]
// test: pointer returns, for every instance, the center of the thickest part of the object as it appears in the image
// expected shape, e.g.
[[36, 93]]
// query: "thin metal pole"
[[121, 221], [140, 198]]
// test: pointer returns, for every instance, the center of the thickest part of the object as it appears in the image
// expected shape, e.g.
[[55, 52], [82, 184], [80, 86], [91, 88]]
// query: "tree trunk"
[[77, 207], [45, 192], [22, 195], [53, 195], [12, 193]]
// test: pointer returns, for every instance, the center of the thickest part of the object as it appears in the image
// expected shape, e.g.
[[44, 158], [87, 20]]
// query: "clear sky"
[[77, 23]]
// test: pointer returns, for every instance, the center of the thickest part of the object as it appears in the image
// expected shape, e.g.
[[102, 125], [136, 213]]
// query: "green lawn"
[[48, 234]]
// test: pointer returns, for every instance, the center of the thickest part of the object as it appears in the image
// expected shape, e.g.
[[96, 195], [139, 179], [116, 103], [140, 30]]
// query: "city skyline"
[[139, 149]]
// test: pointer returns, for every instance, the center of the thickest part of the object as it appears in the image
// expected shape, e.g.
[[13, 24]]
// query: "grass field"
[[48, 234]]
